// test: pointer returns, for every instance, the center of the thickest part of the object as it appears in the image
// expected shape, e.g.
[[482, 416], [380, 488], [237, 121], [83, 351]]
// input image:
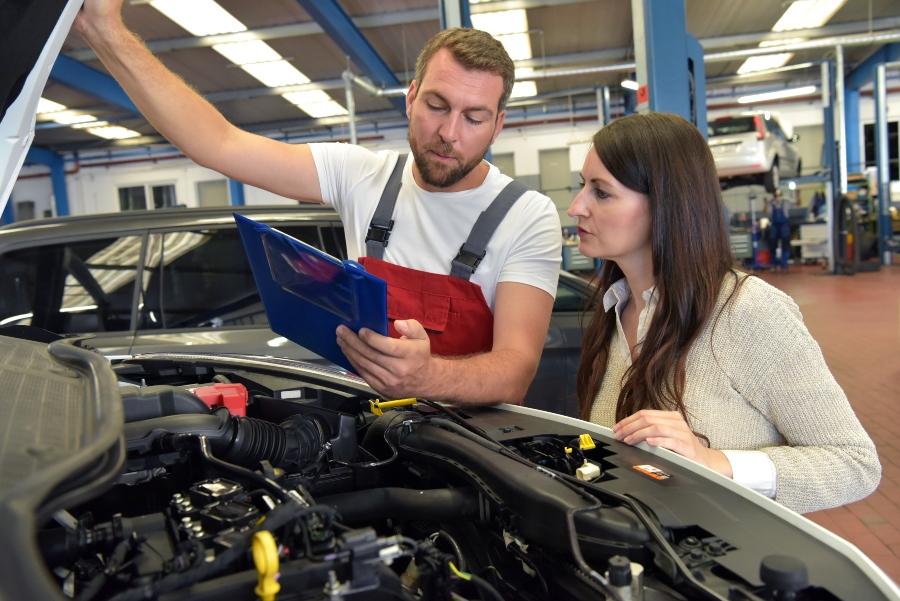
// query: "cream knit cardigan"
[[758, 381]]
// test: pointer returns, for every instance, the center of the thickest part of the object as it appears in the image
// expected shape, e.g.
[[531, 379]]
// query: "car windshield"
[[731, 125]]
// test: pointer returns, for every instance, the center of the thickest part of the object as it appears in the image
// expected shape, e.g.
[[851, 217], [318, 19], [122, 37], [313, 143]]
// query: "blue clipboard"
[[307, 293]]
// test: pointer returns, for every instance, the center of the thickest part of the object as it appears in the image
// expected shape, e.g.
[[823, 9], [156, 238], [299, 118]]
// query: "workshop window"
[[163, 196], [24, 210], [134, 198]]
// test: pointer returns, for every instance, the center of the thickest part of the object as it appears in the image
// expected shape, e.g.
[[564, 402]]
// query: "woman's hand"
[[667, 429]]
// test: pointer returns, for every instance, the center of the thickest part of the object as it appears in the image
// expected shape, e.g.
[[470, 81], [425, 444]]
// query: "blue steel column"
[[7, 216], [697, 73], [455, 13], [236, 192], [855, 163], [42, 156], [829, 162], [629, 102], [660, 52], [861, 75], [883, 165], [603, 113]]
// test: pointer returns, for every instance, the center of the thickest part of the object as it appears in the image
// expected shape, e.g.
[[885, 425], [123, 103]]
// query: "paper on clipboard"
[[307, 293]]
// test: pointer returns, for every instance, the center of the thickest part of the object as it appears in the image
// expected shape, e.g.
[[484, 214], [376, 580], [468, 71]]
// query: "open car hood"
[[31, 35]]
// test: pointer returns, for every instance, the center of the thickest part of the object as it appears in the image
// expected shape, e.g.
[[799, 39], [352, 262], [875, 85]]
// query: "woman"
[[683, 352]]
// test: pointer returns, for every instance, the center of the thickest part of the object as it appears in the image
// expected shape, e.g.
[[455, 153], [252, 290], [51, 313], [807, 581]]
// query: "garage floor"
[[856, 320]]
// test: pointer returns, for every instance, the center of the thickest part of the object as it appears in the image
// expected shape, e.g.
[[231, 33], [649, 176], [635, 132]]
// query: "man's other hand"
[[394, 367]]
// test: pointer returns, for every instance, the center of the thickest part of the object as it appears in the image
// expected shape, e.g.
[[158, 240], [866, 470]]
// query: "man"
[[779, 231], [470, 302]]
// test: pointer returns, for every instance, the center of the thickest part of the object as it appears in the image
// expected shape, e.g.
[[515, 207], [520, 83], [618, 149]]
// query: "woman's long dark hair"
[[665, 158]]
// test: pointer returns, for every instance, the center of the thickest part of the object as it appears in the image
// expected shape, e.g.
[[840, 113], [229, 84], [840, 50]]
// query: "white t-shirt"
[[430, 227]]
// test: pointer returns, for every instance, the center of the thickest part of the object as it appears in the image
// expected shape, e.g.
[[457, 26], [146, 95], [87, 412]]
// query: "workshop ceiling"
[[563, 33]]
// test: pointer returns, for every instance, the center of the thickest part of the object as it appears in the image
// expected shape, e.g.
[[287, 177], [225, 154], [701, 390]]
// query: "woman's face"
[[613, 221]]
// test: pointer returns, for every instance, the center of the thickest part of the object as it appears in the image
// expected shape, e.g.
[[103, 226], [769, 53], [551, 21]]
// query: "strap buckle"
[[468, 258], [380, 233]]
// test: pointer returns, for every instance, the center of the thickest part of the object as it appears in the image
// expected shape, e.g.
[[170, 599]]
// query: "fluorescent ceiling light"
[[630, 84], [510, 27], [518, 46], [276, 73], [766, 96], [113, 132], [770, 43], [523, 89], [200, 17], [801, 14], [501, 22], [315, 103], [48, 106], [71, 117], [205, 17], [253, 51], [87, 124], [807, 14], [763, 63]]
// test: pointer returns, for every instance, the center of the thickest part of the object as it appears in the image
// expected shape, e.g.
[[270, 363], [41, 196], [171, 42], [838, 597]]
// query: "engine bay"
[[239, 480]]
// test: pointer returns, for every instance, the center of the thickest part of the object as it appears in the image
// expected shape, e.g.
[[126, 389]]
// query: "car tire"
[[772, 178]]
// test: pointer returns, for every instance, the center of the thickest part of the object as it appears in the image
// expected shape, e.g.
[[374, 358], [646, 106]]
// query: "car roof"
[[125, 221]]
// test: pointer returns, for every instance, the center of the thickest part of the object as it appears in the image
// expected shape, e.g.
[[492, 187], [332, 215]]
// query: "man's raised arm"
[[186, 119]]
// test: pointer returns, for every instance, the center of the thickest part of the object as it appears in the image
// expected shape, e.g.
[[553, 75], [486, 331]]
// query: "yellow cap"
[[265, 558], [586, 443], [377, 406], [568, 450]]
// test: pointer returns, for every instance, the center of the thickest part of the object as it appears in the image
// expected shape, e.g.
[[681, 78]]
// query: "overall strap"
[[475, 247], [382, 223]]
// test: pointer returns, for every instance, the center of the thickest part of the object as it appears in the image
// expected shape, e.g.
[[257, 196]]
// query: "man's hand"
[[395, 367], [96, 12], [667, 429]]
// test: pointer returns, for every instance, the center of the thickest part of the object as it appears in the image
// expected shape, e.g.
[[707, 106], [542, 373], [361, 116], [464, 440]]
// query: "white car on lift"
[[754, 147]]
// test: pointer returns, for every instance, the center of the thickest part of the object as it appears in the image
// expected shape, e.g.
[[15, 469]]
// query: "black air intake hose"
[[158, 401], [242, 440]]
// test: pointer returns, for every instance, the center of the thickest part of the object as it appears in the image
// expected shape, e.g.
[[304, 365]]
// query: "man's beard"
[[436, 174]]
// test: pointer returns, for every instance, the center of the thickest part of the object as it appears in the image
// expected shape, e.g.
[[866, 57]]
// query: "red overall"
[[451, 310], [450, 307]]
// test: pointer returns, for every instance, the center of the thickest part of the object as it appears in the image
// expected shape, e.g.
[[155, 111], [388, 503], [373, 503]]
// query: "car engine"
[[235, 478]]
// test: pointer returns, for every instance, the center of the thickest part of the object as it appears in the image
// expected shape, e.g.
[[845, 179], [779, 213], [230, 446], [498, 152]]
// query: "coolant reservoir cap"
[[783, 573], [619, 570]]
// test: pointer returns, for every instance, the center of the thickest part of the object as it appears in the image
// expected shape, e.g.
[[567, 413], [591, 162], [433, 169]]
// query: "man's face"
[[453, 120]]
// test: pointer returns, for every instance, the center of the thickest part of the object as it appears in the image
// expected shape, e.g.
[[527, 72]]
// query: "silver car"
[[753, 148], [167, 279]]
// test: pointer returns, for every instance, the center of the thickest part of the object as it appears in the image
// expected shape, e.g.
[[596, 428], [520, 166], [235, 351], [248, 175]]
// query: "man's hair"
[[475, 50]]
